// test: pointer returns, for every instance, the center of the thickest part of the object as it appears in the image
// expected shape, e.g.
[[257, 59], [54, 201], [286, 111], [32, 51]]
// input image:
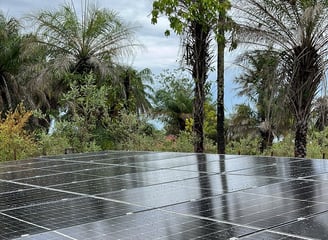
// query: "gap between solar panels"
[[33, 224]]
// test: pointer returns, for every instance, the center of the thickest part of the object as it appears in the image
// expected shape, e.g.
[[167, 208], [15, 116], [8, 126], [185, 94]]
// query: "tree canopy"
[[296, 29]]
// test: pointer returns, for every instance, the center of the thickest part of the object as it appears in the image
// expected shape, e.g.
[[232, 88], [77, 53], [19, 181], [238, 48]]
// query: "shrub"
[[16, 142], [52, 144], [244, 146], [73, 134]]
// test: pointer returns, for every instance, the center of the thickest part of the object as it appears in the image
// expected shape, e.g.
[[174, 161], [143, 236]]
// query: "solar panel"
[[152, 195]]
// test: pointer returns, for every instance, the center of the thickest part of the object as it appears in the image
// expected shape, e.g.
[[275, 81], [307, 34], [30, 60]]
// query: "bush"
[[244, 146], [52, 144], [130, 132], [71, 134], [317, 144], [16, 142]]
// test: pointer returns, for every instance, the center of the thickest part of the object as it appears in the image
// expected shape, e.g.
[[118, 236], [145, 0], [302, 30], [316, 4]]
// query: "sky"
[[159, 52]]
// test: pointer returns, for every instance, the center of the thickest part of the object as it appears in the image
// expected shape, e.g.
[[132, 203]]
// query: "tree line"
[[289, 35]]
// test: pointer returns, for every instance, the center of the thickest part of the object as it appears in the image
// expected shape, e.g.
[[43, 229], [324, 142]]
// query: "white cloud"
[[160, 52]]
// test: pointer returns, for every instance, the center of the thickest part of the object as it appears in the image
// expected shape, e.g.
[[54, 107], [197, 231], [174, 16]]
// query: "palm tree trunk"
[[199, 72], [300, 139], [126, 83], [7, 93], [199, 116], [220, 99], [220, 87], [266, 139]]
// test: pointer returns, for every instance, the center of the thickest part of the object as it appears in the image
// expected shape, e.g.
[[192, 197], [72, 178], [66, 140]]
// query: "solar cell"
[[152, 195]]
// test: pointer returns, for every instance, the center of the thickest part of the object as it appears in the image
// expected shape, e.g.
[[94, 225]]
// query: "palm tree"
[[297, 30], [11, 60], [242, 122], [224, 24], [198, 39], [137, 89], [193, 21], [81, 45], [259, 83], [174, 101]]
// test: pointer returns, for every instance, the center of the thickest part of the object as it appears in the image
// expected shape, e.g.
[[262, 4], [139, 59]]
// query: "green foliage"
[[283, 148], [78, 43], [86, 43], [124, 130], [318, 144], [174, 100], [242, 123], [244, 146], [11, 61], [87, 100], [87, 108], [16, 142], [158, 141], [302, 63], [76, 135], [210, 121], [135, 89], [181, 13], [52, 144]]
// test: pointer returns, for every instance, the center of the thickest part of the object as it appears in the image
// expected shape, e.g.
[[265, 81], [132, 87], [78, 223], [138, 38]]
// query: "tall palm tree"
[[259, 83], [198, 39], [224, 24], [81, 44], [193, 21], [296, 29], [11, 60]]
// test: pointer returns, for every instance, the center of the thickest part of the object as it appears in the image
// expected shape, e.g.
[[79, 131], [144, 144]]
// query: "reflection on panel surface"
[[149, 195]]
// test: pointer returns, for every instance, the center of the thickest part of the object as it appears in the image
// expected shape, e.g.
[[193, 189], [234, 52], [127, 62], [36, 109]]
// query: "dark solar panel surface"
[[147, 195]]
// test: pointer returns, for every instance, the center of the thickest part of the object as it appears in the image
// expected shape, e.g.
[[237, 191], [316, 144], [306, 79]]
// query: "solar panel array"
[[148, 195]]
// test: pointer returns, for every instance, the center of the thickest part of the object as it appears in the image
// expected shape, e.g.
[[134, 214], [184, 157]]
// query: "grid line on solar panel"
[[165, 163], [260, 211], [73, 166], [49, 235], [274, 235], [111, 155], [41, 163], [98, 185], [222, 166], [13, 227], [282, 171], [313, 227], [212, 197], [57, 179], [8, 187], [32, 196], [145, 157], [59, 193], [323, 177], [175, 192], [307, 190], [70, 212], [110, 171], [213, 182], [26, 173], [155, 225]]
